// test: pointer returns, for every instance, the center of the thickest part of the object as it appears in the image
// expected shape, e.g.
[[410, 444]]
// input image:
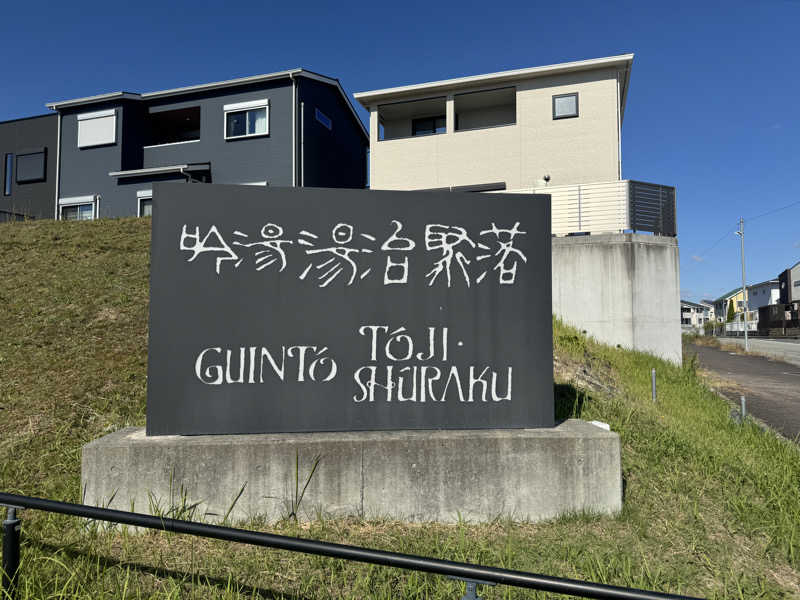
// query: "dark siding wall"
[[784, 286], [32, 199], [336, 157], [84, 171], [267, 158]]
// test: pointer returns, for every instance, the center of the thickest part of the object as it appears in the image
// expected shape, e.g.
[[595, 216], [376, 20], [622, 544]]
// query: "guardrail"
[[472, 575]]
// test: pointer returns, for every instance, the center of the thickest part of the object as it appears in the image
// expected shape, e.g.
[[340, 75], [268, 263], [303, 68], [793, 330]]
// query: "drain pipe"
[[294, 129], [58, 164], [302, 145]]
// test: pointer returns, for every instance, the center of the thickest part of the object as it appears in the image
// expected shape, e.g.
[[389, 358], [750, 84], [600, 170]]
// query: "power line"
[[726, 234], [714, 245], [774, 210]]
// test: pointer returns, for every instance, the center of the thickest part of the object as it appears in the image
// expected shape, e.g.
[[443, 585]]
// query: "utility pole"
[[740, 233]]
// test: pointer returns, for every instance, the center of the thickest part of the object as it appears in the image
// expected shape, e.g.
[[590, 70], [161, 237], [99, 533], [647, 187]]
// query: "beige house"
[[552, 129]]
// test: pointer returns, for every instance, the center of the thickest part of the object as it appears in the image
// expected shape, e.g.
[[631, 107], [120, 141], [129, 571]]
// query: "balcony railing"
[[613, 206]]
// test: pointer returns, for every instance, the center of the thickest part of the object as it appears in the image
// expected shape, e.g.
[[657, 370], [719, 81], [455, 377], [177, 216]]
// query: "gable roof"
[[733, 292], [623, 60], [738, 290], [774, 282], [695, 304], [291, 73]]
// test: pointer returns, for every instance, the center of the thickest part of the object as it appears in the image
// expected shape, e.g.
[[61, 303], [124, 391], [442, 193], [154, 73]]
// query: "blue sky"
[[712, 107]]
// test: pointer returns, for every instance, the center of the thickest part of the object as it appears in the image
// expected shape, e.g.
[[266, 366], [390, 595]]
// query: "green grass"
[[711, 508]]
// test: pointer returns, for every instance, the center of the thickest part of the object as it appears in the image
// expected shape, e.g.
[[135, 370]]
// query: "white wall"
[[621, 289], [794, 282]]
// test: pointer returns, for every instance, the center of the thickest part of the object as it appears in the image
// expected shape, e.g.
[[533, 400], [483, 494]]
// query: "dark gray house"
[[28, 149], [292, 128]]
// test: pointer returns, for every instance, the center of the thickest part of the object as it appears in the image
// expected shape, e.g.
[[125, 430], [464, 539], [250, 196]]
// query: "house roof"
[[767, 282], [738, 290], [291, 73], [27, 118], [695, 304], [733, 292], [623, 60]]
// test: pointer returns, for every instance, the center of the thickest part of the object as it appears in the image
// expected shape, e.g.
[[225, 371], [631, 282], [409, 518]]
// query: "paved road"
[[771, 387], [788, 349]]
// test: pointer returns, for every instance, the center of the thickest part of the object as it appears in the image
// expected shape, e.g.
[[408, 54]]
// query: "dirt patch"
[[106, 315]]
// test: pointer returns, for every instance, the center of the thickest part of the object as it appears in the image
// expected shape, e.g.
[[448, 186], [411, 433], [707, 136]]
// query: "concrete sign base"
[[525, 474]]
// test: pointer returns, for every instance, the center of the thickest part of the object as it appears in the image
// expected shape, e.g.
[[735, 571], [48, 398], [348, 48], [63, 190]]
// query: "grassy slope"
[[711, 508]]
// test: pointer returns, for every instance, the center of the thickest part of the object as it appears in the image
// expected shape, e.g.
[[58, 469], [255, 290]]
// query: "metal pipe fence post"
[[11, 527], [744, 408], [653, 383]]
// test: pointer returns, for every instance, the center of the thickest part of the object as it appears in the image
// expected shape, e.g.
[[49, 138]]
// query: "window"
[[323, 118], [78, 208], [246, 119], [31, 166], [9, 162], [490, 108], [97, 128], [77, 212], [144, 199], [428, 125], [405, 119], [796, 283], [565, 106], [173, 126]]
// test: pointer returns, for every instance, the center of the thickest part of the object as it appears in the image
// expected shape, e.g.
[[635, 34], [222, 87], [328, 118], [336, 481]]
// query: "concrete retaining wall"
[[621, 289], [409, 475]]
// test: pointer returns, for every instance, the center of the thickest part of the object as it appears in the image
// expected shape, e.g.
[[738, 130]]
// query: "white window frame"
[[243, 107], [100, 114], [93, 200], [140, 196]]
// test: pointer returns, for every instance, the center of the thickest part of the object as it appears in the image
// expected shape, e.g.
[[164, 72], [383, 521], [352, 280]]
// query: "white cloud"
[[697, 258]]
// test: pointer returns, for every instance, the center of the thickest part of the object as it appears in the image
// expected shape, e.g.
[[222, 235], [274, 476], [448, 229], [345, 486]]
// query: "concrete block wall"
[[622, 289], [434, 475]]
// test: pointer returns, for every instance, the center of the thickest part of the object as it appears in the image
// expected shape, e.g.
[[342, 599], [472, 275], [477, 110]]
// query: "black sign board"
[[289, 310]]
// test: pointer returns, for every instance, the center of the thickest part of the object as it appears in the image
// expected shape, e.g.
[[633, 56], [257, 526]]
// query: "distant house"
[[291, 128], [712, 313], [758, 295], [763, 294], [789, 284], [736, 297], [694, 315], [28, 149]]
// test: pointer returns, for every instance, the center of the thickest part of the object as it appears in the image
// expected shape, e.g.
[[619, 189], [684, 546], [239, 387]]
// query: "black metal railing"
[[652, 208], [472, 575]]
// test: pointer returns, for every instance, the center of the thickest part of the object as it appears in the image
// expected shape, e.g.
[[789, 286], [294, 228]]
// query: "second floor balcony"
[[610, 207]]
